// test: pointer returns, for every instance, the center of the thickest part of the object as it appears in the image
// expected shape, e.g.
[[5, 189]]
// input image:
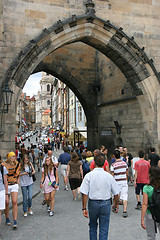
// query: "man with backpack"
[[3, 187], [85, 164]]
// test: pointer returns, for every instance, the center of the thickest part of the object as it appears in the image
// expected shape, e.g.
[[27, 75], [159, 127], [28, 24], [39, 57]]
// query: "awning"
[[81, 137]]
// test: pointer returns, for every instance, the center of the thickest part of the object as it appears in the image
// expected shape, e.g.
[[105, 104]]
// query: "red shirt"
[[104, 166], [142, 167]]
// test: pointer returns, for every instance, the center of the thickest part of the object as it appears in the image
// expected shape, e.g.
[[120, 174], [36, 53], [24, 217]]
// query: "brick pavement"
[[68, 222]]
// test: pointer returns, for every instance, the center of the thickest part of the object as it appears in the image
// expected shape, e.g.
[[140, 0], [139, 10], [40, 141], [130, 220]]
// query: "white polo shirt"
[[98, 185]]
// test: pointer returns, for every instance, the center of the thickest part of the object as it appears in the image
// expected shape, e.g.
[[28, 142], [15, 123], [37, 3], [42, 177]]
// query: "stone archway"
[[103, 36]]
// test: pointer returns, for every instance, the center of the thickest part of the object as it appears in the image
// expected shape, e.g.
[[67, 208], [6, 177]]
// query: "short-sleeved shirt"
[[119, 169], [154, 158], [74, 169], [25, 180], [64, 158], [98, 185], [5, 172], [104, 166], [148, 189], [142, 167]]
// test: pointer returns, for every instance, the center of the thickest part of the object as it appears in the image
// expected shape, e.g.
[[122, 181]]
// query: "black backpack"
[[1, 168], [154, 207]]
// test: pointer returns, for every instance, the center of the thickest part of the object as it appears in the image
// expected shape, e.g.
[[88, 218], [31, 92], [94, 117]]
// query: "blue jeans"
[[99, 209], [27, 200]]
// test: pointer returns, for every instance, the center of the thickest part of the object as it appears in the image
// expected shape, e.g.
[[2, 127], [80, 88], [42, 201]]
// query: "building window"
[[48, 88], [48, 102], [79, 114]]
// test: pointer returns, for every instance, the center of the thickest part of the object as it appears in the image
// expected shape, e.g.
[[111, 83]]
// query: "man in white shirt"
[[54, 159], [98, 185]]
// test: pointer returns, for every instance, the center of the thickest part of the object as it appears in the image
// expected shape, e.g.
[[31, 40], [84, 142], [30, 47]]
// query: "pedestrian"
[[3, 187], [75, 174], [26, 183], [36, 153], [141, 177], [64, 158], [153, 158], [119, 171], [18, 154], [147, 221], [85, 164], [106, 164], [97, 187], [32, 157], [89, 156], [53, 158], [49, 175], [129, 160], [13, 168]]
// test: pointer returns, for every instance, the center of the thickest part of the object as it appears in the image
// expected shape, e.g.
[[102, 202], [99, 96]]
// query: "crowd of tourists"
[[90, 176]]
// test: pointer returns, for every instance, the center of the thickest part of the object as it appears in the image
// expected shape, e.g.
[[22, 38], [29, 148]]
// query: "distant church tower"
[[45, 84]]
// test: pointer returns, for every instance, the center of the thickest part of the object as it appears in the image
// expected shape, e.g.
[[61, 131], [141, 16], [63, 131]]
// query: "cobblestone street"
[[68, 222]]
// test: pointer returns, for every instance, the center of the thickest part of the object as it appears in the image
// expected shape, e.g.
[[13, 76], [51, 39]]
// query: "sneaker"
[[15, 224], [74, 199], [44, 202], [48, 209], [25, 214], [138, 207], [8, 223], [66, 188], [125, 215], [51, 213], [30, 213]]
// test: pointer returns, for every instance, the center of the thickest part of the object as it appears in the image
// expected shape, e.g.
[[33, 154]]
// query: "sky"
[[32, 85]]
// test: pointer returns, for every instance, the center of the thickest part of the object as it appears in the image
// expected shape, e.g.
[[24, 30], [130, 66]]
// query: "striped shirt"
[[119, 169], [13, 173]]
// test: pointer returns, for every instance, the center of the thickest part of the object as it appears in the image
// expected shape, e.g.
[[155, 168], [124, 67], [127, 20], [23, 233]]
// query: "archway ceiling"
[[89, 29]]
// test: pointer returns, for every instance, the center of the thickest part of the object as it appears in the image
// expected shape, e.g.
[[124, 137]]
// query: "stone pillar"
[[92, 132]]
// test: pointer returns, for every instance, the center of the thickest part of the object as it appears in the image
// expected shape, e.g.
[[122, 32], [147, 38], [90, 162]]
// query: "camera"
[[30, 174]]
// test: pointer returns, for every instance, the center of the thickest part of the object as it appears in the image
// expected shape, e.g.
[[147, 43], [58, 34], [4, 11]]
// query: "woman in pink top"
[[49, 175]]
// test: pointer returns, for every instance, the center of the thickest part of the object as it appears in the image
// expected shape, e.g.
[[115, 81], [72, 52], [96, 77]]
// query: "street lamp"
[[6, 98]]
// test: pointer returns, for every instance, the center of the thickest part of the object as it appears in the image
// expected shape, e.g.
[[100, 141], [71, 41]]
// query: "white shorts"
[[2, 199], [12, 188], [123, 191], [63, 170]]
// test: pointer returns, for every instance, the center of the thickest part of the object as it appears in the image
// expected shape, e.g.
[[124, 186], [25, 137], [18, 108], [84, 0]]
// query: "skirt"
[[75, 183]]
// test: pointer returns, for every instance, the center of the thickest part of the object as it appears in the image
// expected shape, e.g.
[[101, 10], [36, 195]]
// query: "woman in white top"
[[3, 187], [26, 183]]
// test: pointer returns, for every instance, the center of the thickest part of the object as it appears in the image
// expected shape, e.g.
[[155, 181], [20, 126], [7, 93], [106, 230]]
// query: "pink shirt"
[[142, 167]]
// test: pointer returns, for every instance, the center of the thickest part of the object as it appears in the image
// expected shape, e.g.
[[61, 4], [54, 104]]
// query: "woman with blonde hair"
[[26, 183], [75, 174], [13, 168], [49, 182]]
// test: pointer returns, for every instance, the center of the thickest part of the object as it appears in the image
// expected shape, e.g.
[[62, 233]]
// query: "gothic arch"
[[100, 34]]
